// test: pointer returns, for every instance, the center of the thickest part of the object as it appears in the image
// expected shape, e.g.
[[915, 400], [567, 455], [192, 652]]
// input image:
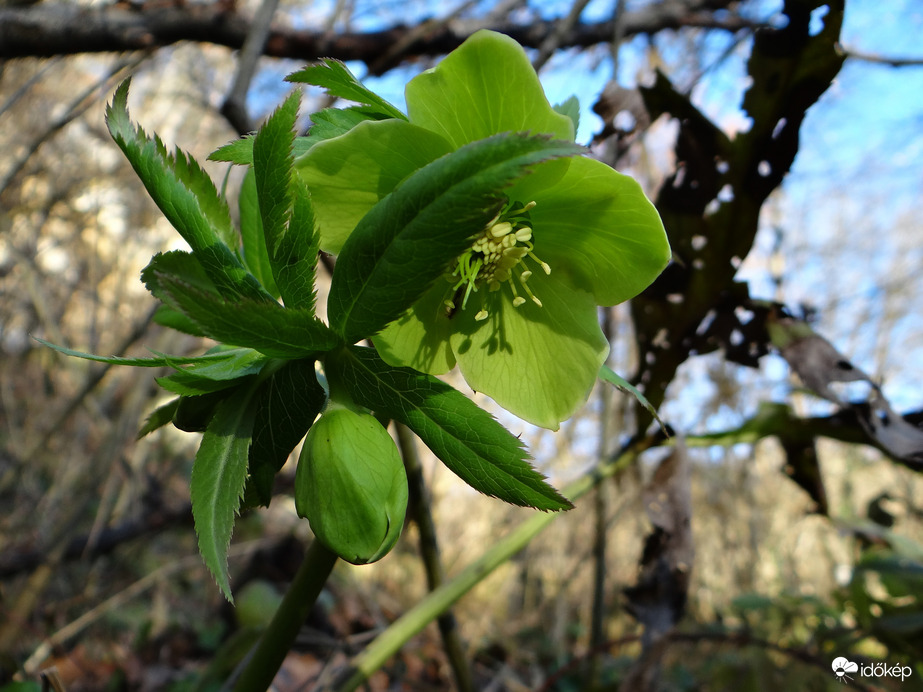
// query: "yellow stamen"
[[503, 245]]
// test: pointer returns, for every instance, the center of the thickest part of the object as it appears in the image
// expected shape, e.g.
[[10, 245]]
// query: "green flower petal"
[[539, 363], [420, 339], [348, 175], [484, 87], [596, 227]]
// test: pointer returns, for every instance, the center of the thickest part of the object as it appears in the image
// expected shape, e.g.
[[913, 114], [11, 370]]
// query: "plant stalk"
[[438, 601], [269, 653], [429, 553]]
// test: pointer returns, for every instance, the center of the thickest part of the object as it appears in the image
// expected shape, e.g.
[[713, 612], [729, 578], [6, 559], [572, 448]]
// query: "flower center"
[[496, 257]]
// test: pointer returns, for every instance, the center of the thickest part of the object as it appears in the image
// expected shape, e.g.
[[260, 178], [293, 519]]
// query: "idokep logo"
[[842, 667]]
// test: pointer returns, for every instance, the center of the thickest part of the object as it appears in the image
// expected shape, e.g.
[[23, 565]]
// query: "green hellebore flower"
[[351, 486], [518, 310]]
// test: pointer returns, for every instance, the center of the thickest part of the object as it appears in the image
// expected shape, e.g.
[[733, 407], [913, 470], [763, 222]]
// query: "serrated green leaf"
[[218, 476], [404, 243], [334, 76], [187, 197], [607, 374], [294, 257], [179, 264], [289, 401], [333, 122], [212, 376], [159, 417], [272, 168], [466, 438], [238, 152], [265, 327], [189, 385], [166, 316], [159, 361], [285, 209], [194, 412], [251, 231]]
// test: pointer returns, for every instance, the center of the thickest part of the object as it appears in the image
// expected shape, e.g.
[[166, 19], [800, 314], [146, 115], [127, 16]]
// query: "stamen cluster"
[[494, 258]]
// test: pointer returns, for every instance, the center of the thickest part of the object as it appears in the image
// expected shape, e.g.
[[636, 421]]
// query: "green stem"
[[410, 623], [269, 653], [429, 553]]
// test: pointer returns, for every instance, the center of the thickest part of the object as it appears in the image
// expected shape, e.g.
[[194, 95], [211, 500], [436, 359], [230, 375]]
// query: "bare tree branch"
[[51, 29], [235, 105], [881, 59]]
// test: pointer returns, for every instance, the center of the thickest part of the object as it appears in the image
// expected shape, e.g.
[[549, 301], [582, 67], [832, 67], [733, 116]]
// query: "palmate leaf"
[[286, 213], [405, 242], [334, 76], [187, 197], [466, 438], [218, 477]]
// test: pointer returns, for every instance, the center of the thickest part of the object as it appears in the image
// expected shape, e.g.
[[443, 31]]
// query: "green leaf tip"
[[290, 240], [339, 82], [188, 198], [607, 374], [219, 473]]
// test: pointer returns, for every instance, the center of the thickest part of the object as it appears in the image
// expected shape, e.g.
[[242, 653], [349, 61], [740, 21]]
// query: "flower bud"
[[351, 486]]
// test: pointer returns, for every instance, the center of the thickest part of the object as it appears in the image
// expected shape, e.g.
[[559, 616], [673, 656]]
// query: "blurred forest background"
[[803, 491]]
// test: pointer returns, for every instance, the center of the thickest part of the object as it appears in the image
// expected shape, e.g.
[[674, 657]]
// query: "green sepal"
[[404, 244], [350, 174], [218, 477], [289, 401], [571, 108], [597, 227], [468, 440], [339, 82], [539, 363], [485, 86]]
